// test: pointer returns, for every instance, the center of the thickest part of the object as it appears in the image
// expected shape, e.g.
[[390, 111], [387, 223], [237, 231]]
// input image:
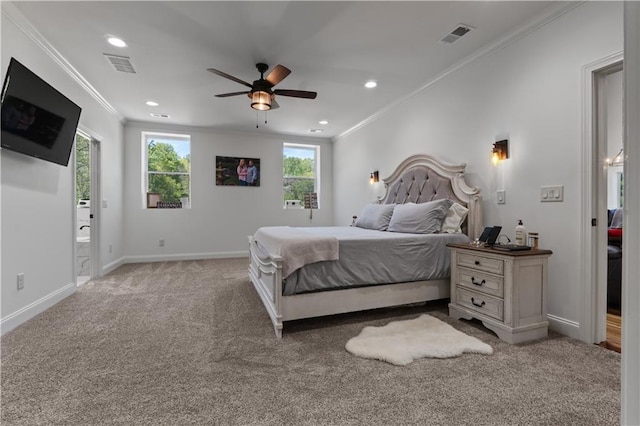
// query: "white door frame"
[[594, 238], [95, 196], [94, 212]]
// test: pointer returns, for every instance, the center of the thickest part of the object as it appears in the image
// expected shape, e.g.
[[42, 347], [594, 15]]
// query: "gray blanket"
[[369, 257], [296, 246]]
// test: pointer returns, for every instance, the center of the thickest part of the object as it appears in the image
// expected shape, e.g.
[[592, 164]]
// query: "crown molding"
[[550, 14], [12, 13]]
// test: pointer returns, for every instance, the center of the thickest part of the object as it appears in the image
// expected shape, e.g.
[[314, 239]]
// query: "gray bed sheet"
[[368, 257]]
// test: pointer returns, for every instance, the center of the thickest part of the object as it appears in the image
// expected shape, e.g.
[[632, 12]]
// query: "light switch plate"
[[552, 193], [501, 197]]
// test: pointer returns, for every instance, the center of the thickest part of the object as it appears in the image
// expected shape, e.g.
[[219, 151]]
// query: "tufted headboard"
[[421, 178]]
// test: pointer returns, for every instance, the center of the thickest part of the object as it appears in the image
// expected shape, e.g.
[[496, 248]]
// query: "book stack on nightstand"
[[506, 290]]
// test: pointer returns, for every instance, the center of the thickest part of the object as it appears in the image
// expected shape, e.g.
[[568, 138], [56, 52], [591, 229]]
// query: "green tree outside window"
[[299, 171], [169, 171], [83, 182]]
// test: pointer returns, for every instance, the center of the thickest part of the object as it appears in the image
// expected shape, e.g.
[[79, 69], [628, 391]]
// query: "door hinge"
[[594, 221], [90, 216]]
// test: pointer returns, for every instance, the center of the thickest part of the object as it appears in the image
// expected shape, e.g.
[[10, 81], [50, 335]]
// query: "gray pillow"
[[375, 216], [424, 218]]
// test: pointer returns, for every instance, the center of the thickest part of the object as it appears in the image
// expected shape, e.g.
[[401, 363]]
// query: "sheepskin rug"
[[402, 342]]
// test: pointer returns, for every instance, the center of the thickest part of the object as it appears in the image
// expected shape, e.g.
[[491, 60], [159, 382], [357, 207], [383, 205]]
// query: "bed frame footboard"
[[266, 276]]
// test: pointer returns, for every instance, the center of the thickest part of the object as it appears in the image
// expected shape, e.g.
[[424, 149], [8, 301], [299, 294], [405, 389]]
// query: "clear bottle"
[[521, 234]]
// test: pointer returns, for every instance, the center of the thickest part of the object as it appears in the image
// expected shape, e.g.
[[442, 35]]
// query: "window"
[[300, 164], [83, 183], [168, 170], [620, 190]]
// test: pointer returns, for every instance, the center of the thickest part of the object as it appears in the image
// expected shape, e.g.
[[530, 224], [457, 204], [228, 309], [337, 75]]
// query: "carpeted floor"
[[179, 343]]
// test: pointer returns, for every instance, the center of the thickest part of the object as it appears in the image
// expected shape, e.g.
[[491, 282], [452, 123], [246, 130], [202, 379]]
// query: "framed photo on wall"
[[237, 171]]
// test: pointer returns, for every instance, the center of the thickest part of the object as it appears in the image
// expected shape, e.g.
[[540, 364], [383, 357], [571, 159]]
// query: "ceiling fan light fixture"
[[261, 100]]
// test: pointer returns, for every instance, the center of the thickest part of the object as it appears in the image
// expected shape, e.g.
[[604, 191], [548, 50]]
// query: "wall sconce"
[[500, 151], [618, 160], [374, 178]]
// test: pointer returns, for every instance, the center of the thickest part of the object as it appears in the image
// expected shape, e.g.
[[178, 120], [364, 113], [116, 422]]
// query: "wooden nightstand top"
[[501, 252]]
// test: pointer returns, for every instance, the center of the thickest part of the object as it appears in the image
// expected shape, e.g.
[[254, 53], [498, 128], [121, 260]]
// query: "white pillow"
[[375, 216], [424, 218], [456, 214]]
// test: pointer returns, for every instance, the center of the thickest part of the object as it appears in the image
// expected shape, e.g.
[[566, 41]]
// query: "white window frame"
[[145, 162], [316, 177]]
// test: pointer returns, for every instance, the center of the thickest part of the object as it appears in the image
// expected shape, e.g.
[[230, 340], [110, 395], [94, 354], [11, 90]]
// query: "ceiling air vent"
[[159, 115], [461, 30], [120, 63]]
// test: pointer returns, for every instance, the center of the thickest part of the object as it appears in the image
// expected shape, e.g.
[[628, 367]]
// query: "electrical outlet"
[[20, 281], [161, 243]]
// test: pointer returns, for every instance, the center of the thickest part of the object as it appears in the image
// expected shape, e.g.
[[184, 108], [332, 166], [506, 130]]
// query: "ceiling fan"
[[262, 95]]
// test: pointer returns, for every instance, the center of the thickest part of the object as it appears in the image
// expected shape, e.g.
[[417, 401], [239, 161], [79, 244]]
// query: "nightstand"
[[507, 291]]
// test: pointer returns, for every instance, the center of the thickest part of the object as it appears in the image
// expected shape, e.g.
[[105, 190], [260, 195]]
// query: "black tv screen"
[[37, 120]]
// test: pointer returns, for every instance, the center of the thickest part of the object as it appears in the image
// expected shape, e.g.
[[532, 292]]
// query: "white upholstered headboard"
[[421, 178]]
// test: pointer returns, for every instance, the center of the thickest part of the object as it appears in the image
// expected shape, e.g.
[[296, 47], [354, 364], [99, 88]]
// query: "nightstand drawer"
[[481, 263], [482, 303], [481, 282]]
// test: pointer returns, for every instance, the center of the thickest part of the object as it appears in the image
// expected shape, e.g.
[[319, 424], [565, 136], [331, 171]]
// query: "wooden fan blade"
[[226, 95], [278, 74], [230, 77], [296, 93]]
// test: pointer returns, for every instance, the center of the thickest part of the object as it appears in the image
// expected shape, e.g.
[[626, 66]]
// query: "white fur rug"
[[402, 342]]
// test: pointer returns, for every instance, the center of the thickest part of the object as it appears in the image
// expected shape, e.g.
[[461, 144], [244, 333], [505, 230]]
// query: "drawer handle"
[[477, 262], [479, 284], [479, 305]]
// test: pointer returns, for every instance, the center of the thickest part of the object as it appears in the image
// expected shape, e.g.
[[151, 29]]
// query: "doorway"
[[87, 198], [83, 208], [608, 121]]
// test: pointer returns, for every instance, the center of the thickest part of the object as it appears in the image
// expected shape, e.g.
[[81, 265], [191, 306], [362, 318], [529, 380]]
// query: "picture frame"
[[237, 171]]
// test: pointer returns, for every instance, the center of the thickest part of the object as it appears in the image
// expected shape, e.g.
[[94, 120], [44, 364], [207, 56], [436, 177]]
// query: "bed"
[[311, 272]]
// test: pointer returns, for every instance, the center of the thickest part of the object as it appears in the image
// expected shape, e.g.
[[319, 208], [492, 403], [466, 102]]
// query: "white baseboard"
[[564, 326], [113, 265], [185, 256], [20, 316]]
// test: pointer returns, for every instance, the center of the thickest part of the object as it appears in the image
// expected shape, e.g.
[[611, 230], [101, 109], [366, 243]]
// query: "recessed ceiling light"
[[151, 103], [316, 130], [115, 41], [323, 122], [370, 84]]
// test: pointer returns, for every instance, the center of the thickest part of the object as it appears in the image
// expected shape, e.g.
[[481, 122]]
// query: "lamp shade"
[[261, 100]]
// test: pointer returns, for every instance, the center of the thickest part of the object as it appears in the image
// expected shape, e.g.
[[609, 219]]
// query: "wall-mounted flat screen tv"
[[37, 120]]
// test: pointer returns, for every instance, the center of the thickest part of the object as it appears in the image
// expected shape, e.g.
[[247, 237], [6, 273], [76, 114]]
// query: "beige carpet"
[[189, 343]]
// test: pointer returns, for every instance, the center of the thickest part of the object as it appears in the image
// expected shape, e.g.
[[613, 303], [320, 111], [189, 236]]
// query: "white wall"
[[631, 243], [529, 92], [220, 217], [38, 198]]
